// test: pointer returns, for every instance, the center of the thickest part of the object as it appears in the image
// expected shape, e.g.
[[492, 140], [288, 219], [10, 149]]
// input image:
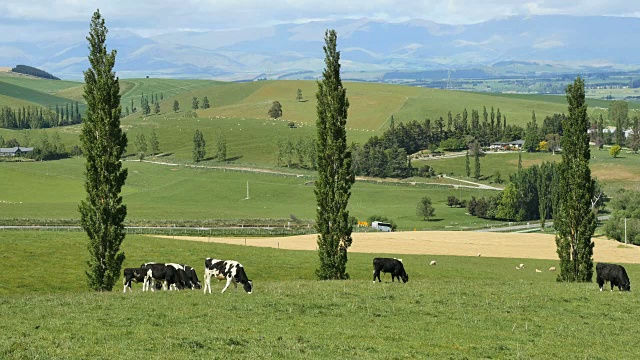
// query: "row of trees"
[[44, 148], [200, 146], [195, 103], [38, 118], [300, 152], [141, 144]]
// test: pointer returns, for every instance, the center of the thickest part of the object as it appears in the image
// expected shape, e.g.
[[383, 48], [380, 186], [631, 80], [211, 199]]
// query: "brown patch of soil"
[[458, 243]]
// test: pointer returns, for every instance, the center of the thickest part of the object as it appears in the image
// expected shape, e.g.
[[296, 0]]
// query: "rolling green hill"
[[38, 84], [164, 193], [28, 94]]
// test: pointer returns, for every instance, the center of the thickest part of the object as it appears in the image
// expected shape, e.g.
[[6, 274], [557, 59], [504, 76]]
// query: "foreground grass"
[[461, 308]]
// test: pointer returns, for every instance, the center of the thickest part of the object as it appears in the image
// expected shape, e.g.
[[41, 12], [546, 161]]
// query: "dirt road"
[[460, 243]]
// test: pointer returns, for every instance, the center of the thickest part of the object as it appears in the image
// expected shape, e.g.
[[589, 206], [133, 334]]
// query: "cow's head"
[[404, 277], [248, 286], [196, 285], [627, 286]]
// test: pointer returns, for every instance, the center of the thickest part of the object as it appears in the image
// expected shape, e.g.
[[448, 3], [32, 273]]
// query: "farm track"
[[457, 243]]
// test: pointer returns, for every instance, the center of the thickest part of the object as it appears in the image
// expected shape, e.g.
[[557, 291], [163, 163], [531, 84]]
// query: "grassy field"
[[37, 84], [31, 95], [156, 192], [621, 172], [461, 308]]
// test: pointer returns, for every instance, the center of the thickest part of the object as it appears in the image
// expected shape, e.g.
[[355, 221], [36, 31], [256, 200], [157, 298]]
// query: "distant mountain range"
[[514, 44]]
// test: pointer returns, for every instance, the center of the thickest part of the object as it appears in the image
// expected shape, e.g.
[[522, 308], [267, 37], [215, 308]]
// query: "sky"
[[43, 20]]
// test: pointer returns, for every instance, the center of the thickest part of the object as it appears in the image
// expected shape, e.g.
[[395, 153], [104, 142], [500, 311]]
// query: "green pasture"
[[31, 95], [465, 307], [614, 173], [370, 104], [15, 103], [53, 190], [433, 103], [46, 86]]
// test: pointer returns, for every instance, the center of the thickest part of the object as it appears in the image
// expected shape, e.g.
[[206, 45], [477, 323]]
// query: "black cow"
[[168, 275], [231, 270], [388, 265], [613, 273], [132, 274]]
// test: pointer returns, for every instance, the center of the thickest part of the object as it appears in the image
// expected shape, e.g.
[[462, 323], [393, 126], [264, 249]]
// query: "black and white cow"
[[613, 273], [192, 278], [388, 265], [231, 270], [167, 274], [132, 274]]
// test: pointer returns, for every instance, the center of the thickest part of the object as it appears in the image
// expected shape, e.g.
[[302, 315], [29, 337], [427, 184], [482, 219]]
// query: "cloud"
[[148, 17]]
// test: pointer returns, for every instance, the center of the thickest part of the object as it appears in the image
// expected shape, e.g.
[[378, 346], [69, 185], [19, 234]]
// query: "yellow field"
[[458, 243]]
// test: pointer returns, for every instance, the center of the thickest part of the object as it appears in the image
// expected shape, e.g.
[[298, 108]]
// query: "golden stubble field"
[[458, 243]]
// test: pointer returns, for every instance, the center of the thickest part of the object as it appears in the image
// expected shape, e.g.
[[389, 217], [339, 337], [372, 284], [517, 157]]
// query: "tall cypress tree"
[[476, 156], [573, 219], [102, 213], [467, 165], [335, 177]]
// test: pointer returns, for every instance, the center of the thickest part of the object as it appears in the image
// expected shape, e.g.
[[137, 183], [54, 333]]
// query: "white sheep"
[[433, 262]]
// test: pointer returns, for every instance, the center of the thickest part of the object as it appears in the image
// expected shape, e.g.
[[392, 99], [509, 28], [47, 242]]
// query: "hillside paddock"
[[464, 307]]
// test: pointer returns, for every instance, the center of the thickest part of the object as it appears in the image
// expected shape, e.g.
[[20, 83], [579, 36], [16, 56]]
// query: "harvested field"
[[458, 243]]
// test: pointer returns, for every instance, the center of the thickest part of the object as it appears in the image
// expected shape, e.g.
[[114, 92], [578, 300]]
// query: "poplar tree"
[[335, 177], [154, 143], [476, 155], [467, 165], [205, 103], [199, 146], [176, 106], [573, 219], [102, 214]]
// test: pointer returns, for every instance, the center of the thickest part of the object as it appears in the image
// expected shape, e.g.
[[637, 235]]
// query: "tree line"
[[387, 155], [39, 118], [30, 70], [300, 152], [44, 148], [200, 146]]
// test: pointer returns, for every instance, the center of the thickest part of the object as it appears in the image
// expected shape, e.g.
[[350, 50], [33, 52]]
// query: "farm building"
[[15, 151], [512, 145]]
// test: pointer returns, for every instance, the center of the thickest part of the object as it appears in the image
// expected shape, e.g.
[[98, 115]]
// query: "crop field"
[[465, 307], [157, 193]]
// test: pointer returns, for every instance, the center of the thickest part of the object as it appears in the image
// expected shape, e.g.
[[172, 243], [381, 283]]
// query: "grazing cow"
[[167, 274], [132, 274], [231, 270], [388, 265], [613, 273], [192, 278]]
